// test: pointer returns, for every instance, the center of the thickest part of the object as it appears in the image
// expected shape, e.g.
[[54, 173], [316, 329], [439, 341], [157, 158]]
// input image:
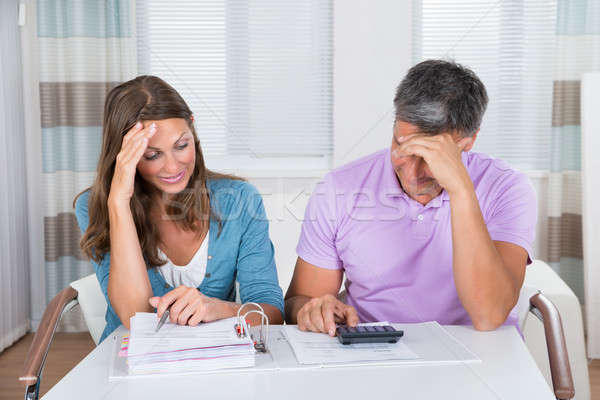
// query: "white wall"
[[590, 127], [372, 52], [540, 246]]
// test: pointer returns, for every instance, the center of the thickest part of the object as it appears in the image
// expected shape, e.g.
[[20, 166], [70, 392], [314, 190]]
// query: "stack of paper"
[[319, 348], [180, 348]]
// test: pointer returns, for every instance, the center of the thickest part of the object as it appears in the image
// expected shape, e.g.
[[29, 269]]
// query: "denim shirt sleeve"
[[102, 267], [256, 271]]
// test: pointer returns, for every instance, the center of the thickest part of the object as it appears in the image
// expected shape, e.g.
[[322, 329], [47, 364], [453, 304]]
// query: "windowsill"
[[272, 167], [268, 173], [536, 173], [544, 174], [278, 172]]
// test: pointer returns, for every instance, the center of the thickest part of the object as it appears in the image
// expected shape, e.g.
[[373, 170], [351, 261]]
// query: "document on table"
[[319, 348], [143, 338], [208, 346], [422, 343]]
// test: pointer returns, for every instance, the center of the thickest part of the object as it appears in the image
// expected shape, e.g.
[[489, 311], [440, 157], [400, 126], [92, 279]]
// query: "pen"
[[163, 319]]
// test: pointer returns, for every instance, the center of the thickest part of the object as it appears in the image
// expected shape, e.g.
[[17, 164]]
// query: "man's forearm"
[[483, 283], [292, 306]]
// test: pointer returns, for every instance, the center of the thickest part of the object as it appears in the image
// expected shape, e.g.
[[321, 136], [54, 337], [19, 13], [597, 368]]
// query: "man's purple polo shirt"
[[397, 253]]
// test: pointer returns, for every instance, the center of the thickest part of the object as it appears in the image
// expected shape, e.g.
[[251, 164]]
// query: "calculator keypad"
[[368, 334]]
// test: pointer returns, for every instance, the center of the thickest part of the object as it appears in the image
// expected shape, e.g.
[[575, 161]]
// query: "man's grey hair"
[[441, 96]]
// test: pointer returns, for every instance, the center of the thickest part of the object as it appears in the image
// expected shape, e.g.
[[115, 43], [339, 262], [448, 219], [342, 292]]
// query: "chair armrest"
[[36, 356], [560, 369]]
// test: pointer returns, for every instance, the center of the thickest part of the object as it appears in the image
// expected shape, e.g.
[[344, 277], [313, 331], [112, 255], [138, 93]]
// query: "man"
[[425, 230]]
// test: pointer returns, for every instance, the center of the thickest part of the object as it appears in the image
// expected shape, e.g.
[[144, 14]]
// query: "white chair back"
[[540, 276], [93, 304]]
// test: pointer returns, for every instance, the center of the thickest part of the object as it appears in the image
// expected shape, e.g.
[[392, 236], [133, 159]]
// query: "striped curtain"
[[577, 51], [86, 47]]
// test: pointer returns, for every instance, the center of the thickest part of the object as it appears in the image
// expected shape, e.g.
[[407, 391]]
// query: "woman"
[[160, 228]]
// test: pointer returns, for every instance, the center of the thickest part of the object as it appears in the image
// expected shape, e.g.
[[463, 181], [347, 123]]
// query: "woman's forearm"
[[128, 284], [229, 309]]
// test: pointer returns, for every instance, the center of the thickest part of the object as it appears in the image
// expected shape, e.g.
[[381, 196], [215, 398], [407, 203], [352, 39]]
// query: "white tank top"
[[190, 275]]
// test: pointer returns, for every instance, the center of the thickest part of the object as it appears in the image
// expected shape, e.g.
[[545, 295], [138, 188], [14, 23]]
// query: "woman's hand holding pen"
[[188, 306], [133, 147]]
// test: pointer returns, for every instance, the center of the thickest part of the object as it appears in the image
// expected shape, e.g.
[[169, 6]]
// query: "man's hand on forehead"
[[404, 141], [442, 153]]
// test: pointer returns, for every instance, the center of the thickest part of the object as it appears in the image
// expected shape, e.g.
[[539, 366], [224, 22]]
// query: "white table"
[[507, 372]]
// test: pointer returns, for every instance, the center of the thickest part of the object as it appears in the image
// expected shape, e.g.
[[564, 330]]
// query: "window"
[[509, 44], [256, 74]]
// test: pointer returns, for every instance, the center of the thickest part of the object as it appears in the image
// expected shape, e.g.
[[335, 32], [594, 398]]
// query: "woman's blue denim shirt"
[[240, 250]]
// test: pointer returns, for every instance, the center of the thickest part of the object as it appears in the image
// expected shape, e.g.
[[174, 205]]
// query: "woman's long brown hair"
[[141, 99]]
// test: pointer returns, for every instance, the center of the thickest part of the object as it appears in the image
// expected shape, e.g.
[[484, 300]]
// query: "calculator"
[[368, 334]]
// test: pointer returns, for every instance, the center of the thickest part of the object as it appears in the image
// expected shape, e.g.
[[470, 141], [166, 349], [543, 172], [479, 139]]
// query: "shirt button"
[[420, 217], [210, 257], [166, 285]]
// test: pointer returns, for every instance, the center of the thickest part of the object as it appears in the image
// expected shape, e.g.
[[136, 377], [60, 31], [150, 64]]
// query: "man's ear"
[[470, 141]]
